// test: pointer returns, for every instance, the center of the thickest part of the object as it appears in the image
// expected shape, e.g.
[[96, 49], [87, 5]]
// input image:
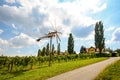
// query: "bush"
[[103, 55]]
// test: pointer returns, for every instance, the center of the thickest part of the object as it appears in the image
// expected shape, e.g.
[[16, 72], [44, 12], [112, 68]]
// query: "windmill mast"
[[50, 35], [50, 53]]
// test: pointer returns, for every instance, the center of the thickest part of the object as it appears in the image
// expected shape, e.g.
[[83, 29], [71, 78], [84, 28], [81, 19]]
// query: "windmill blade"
[[46, 36], [59, 32], [55, 27], [58, 37], [38, 39]]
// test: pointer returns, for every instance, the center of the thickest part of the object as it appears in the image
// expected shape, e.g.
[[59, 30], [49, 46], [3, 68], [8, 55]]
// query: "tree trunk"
[[100, 51]]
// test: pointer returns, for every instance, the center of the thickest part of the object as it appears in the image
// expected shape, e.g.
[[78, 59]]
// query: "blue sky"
[[23, 21]]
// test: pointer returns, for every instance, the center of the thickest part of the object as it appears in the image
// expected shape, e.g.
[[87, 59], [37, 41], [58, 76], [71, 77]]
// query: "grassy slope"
[[112, 72], [46, 72]]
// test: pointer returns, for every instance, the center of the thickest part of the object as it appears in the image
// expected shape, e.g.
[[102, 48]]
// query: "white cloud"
[[15, 32], [90, 5], [3, 42], [18, 51], [97, 9], [116, 35], [1, 31], [110, 29], [0, 49], [13, 25], [33, 16], [91, 36], [22, 40], [10, 1]]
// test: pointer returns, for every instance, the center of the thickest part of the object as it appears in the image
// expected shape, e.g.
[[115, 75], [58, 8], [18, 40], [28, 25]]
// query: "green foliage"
[[25, 61], [112, 72], [109, 50], [53, 49], [10, 64], [3, 60], [39, 52], [103, 55], [42, 60], [16, 64], [70, 44], [99, 36], [118, 51], [44, 72], [47, 49], [43, 51], [58, 49], [82, 49], [31, 62]]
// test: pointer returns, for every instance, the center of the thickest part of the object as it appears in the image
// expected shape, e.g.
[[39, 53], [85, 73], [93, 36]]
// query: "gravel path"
[[86, 73]]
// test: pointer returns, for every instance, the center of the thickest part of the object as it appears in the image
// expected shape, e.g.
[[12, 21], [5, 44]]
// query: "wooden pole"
[[50, 56]]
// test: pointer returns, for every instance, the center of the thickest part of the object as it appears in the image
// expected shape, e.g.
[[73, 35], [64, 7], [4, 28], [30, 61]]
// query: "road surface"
[[86, 73]]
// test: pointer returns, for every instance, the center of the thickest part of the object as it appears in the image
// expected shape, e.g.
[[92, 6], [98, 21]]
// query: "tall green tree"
[[47, 49], [43, 51], [39, 52], [58, 49], [53, 49], [99, 36], [70, 44]]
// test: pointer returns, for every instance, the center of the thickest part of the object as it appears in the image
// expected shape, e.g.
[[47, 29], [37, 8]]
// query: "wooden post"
[[50, 56]]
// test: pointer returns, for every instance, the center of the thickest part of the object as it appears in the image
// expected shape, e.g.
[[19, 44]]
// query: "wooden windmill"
[[50, 35]]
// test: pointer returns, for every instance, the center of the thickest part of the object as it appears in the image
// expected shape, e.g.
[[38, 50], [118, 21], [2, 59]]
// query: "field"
[[112, 72], [43, 72]]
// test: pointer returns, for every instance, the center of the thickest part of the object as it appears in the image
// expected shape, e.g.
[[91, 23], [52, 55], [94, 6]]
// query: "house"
[[91, 50], [97, 50]]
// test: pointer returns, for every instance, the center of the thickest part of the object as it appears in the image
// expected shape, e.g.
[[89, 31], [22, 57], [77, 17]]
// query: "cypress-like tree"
[[70, 44], [53, 49], [39, 52], [58, 49], [43, 51], [47, 49], [99, 36]]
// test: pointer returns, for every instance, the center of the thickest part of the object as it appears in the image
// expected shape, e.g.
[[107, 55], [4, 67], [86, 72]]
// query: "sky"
[[23, 21]]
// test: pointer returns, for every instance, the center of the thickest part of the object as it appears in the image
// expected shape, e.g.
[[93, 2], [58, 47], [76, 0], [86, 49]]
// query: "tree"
[[58, 49], [117, 50], [52, 49], [74, 52], [99, 36], [109, 50], [70, 44], [39, 52], [47, 49], [82, 49], [43, 51]]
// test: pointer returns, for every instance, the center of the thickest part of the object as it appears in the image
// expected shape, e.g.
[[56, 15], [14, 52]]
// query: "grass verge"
[[112, 72], [47, 72]]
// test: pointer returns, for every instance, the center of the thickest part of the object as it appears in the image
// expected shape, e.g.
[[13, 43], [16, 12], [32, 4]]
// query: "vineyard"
[[14, 64]]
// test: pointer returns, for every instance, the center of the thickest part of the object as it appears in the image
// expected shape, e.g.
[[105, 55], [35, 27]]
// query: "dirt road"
[[86, 73]]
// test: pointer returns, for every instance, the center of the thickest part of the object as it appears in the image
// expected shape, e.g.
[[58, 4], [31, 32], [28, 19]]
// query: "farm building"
[[93, 50]]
